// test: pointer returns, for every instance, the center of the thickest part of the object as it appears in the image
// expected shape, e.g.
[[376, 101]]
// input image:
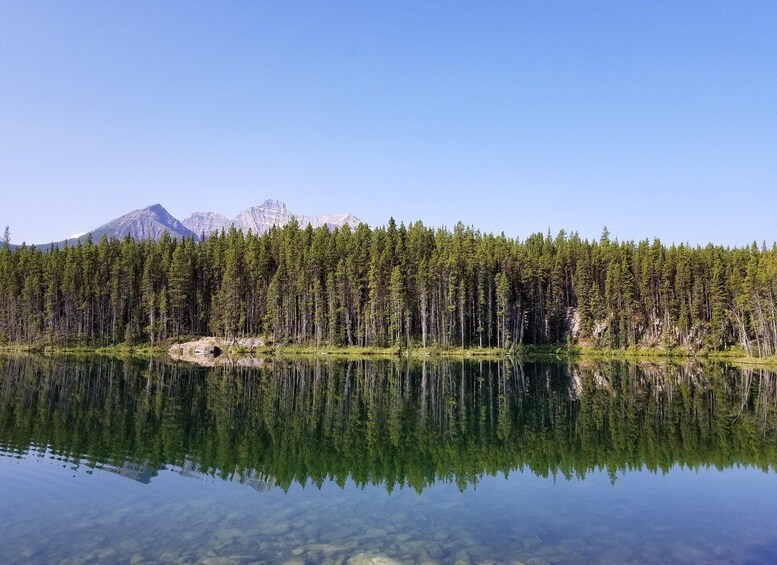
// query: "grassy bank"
[[565, 353], [139, 350]]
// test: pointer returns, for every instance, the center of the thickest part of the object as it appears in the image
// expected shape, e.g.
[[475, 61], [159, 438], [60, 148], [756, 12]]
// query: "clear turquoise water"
[[82, 479]]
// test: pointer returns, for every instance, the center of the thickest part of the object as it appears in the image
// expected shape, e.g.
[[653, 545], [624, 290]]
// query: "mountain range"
[[152, 222], [261, 218]]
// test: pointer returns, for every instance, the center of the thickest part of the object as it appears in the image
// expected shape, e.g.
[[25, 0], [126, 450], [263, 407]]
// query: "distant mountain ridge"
[[154, 221], [147, 223], [261, 218]]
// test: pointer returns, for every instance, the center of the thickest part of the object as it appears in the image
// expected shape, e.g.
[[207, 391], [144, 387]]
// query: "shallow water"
[[367, 462]]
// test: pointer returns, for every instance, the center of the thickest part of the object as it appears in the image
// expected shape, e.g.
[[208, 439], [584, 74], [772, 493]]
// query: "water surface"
[[344, 461]]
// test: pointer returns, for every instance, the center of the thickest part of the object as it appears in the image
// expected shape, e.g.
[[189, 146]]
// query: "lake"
[[386, 461]]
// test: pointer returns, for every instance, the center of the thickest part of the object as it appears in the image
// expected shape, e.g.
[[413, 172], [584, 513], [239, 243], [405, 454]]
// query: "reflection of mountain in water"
[[251, 478], [386, 422], [140, 472], [144, 472]]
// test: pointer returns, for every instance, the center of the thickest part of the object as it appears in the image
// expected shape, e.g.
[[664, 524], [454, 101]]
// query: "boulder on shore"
[[213, 350]]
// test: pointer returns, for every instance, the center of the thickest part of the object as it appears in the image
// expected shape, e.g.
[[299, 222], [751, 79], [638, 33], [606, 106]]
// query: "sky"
[[655, 119]]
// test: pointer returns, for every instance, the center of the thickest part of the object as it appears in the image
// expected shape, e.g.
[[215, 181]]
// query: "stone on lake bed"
[[228, 535], [272, 528], [130, 546], [619, 554], [435, 550], [538, 561], [372, 559], [168, 557], [325, 548], [107, 553], [375, 533], [683, 553]]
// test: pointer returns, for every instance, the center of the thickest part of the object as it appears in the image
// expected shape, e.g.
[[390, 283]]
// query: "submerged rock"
[[372, 559]]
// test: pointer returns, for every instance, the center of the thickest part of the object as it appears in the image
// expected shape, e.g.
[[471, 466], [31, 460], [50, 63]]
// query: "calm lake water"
[[103, 460]]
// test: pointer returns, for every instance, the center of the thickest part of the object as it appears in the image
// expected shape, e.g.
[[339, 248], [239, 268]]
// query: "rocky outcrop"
[[215, 351], [573, 325]]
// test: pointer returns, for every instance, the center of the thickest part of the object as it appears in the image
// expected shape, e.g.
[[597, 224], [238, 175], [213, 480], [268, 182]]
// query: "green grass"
[[734, 355], [558, 352], [141, 350], [356, 351]]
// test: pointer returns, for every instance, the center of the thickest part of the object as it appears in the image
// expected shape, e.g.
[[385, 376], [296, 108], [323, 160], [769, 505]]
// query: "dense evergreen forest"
[[393, 286]]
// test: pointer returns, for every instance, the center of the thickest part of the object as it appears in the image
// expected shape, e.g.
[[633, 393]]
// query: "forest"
[[393, 286]]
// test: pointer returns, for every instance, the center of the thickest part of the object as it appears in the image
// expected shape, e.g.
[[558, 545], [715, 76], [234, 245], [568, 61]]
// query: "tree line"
[[392, 286]]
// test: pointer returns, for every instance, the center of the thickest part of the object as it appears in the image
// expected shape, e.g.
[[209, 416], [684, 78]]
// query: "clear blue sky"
[[653, 118]]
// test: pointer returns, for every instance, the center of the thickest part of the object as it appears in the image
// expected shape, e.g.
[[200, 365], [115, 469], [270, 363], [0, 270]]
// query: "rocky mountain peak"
[[261, 218], [207, 222], [153, 221], [273, 204], [146, 223]]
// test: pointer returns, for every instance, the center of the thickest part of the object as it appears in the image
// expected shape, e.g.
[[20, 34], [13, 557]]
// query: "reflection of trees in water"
[[385, 422]]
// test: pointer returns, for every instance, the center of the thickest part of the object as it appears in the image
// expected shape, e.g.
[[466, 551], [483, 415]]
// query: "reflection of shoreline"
[[388, 422]]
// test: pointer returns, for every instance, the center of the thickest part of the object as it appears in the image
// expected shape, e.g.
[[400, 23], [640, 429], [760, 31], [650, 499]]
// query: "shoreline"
[[559, 353]]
